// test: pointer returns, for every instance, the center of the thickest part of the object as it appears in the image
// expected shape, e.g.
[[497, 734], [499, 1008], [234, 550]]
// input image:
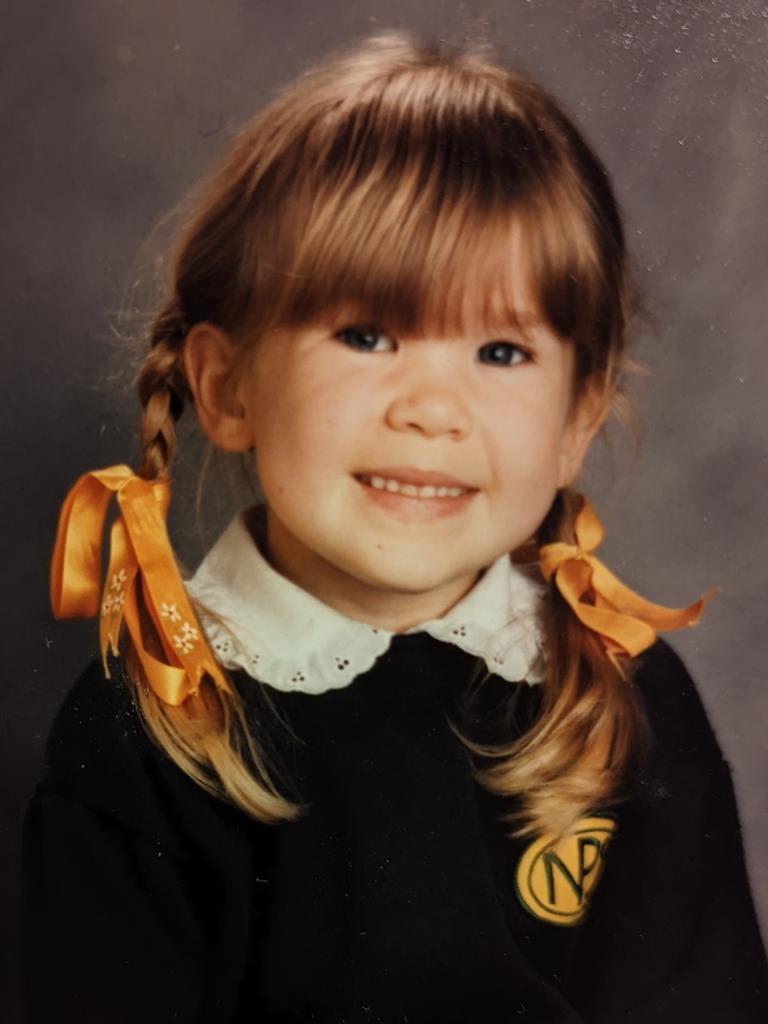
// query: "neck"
[[391, 610]]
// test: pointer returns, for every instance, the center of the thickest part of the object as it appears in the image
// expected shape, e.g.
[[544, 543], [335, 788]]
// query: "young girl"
[[402, 749]]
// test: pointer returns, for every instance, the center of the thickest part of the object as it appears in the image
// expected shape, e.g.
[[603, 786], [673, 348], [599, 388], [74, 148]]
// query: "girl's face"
[[396, 469], [357, 435]]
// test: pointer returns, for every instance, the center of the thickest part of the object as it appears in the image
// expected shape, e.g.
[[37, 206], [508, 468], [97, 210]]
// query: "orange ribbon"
[[626, 622], [140, 555]]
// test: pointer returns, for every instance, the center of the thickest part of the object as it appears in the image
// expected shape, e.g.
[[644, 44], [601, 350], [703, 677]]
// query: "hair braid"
[[162, 391], [209, 736], [590, 730]]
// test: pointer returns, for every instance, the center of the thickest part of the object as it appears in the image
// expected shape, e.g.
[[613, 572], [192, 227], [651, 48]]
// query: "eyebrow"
[[529, 319], [521, 321]]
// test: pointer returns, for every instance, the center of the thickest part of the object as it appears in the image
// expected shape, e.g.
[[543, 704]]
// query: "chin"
[[410, 576]]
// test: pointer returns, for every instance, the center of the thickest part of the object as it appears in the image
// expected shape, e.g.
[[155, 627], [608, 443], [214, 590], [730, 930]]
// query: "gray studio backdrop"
[[110, 110]]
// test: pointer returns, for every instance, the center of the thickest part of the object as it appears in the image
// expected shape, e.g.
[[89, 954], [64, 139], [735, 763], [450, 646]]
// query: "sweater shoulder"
[[680, 724], [96, 733], [99, 755]]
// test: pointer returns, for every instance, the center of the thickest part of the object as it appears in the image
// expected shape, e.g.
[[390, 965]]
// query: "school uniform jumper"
[[397, 896]]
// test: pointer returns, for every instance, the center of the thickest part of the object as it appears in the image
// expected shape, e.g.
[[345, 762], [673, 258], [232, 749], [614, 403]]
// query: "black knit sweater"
[[397, 897]]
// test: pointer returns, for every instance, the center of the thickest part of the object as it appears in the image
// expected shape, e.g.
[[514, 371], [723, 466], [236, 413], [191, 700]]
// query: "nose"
[[433, 408]]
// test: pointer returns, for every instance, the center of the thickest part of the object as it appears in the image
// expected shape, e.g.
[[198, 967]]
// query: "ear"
[[589, 413], [209, 364]]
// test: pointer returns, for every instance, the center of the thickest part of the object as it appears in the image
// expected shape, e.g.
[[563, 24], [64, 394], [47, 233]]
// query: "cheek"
[[301, 433], [527, 451]]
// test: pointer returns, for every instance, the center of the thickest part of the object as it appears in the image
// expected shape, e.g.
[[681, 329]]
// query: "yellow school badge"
[[554, 880]]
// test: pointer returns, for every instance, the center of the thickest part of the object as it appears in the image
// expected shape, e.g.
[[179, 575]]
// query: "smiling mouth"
[[412, 490]]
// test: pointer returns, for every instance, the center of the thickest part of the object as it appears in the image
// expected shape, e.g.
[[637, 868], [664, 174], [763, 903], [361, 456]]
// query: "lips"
[[425, 487], [417, 477]]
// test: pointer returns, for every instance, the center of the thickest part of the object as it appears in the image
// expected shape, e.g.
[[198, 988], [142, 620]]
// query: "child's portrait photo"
[[387, 478]]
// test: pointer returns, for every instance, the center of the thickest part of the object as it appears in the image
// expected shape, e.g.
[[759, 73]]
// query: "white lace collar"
[[257, 620]]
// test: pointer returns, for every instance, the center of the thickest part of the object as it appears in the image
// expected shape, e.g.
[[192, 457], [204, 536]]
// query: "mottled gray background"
[[110, 110]]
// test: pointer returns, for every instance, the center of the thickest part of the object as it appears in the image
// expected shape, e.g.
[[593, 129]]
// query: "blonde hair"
[[374, 182]]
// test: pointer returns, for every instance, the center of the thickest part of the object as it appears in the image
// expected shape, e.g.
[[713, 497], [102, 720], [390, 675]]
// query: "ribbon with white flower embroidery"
[[140, 556], [626, 622]]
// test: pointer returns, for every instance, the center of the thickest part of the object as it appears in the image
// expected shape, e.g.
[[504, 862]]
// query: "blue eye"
[[503, 353], [364, 339]]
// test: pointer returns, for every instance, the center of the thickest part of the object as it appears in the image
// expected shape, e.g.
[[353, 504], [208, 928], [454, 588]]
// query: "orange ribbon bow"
[[626, 622], [139, 550]]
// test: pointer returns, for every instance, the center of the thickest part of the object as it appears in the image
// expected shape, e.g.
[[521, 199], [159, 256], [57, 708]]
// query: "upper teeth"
[[411, 490]]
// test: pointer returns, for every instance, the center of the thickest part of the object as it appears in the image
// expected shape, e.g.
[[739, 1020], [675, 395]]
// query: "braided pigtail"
[[590, 732], [162, 391], [209, 736]]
